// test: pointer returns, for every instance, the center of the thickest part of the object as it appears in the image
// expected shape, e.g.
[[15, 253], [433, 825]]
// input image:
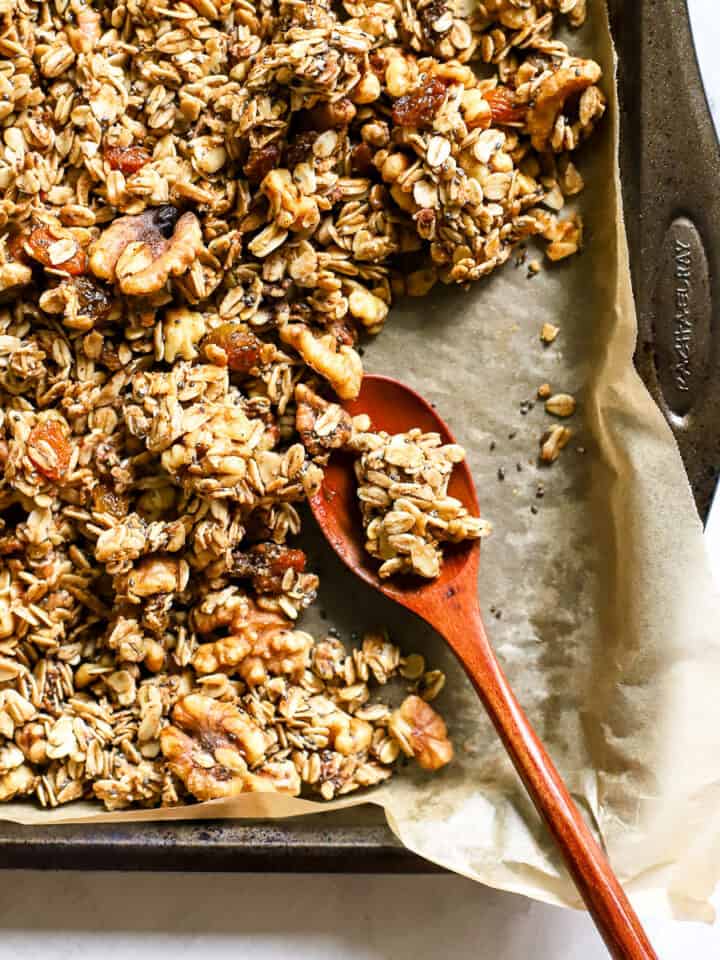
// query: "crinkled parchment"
[[609, 619]]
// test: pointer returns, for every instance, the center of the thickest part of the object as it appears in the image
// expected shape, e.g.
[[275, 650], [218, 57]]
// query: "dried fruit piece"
[[94, 299], [266, 564], [42, 245], [127, 160], [260, 161], [240, 346], [361, 159], [48, 446], [300, 149], [421, 733], [418, 109], [107, 500], [504, 106], [329, 115]]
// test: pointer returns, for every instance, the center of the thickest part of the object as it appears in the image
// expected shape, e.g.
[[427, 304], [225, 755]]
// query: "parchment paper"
[[609, 619]]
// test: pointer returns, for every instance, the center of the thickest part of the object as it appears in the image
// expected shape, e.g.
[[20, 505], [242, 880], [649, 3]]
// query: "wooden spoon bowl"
[[450, 604]]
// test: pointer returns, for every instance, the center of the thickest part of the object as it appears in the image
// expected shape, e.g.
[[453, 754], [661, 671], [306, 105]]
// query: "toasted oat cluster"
[[203, 205], [403, 492]]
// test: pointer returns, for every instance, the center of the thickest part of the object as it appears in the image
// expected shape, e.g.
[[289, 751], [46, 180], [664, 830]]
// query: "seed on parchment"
[[549, 332]]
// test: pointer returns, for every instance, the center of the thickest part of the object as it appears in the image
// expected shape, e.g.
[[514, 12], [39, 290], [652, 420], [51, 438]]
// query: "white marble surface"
[[61, 917]]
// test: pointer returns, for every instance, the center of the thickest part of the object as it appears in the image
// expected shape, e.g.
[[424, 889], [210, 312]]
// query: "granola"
[[203, 206], [403, 492]]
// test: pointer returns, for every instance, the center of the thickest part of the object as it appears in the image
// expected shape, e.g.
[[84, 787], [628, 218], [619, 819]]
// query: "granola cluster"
[[203, 206], [403, 491]]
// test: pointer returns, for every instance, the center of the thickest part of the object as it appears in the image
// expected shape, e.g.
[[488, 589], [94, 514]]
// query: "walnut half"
[[210, 745], [260, 644], [141, 252], [421, 733]]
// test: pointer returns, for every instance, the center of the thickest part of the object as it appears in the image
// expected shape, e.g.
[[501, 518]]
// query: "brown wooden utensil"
[[450, 605]]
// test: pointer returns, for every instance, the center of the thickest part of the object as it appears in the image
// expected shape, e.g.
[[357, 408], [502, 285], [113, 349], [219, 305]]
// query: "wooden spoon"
[[450, 605]]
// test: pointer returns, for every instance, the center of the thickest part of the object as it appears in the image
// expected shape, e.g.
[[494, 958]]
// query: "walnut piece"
[[141, 252], [322, 425], [341, 366], [288, 207], [17, 782], [209, 747], [14, 275], [550, 97], [260, 644], [421, 733], [86, 32]]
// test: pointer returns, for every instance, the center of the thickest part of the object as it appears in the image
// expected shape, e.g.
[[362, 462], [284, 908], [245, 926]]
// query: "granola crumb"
[[549, 333]]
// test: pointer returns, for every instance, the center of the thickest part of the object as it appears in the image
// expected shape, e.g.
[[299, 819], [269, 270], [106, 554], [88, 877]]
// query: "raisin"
[[301, 148], [266, 564], [361, 160], [418, 109], [165, 218], [49, 449], [106, 500], [261, 161], [39, 242], [16, 249], [504, 106], [93, 298], [241, 347], [329, 115], [127, 160]]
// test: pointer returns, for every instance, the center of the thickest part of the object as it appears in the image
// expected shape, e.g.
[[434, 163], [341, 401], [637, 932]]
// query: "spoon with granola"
[[416, 538]]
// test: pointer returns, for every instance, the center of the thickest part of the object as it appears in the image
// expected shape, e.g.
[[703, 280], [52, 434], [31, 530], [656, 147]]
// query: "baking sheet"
[[607, 612]]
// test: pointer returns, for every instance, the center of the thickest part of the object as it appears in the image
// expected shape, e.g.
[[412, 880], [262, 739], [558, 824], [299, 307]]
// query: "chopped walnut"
[[152, 575], [17, 782], [141, 252], [261, 644], [421, 733], [322, 425], [86, 32], [290, 209], [32, 740], [182, 329], [210, 745], [13, 276], [341, 366], [571, 78]]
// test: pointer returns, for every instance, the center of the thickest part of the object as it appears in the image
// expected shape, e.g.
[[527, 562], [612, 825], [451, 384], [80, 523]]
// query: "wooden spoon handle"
[[600, 889]]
